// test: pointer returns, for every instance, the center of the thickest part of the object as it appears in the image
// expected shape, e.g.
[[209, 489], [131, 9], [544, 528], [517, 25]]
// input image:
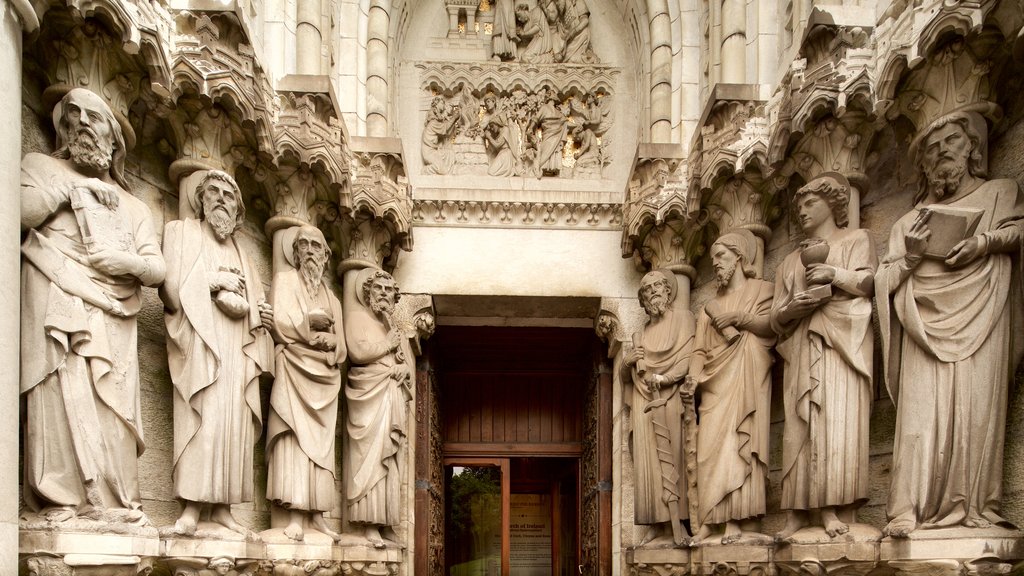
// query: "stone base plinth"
[[63, 553]]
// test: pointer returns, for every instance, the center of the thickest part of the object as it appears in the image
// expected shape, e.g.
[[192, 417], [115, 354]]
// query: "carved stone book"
[[949, 225], [101, 227]]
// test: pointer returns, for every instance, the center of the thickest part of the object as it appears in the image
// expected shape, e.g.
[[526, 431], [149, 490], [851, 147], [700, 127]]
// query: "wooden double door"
[[513, 456]]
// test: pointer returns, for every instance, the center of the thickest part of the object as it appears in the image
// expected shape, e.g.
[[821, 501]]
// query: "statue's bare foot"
[[833, 526], [318, 522], [294, 531], [704, 533], [185, 526], [794, 522], [221, 514], [649, 535], [59, 514], [732, 533], [388, 534], [977, 522], [899, 528], [373, 535]]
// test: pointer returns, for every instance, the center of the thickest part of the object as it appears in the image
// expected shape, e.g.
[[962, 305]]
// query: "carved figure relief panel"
[[544, 132]]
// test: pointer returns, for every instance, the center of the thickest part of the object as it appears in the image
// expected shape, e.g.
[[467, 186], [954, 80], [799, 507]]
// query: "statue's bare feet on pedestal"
[[189, 520], [57, 514], [833, 525], [221, 514], [977, 522], [318, 522], [732, 533], [389, 535], [372, 534], [294, 528], [794, 522], [899, 528], [704, 533]]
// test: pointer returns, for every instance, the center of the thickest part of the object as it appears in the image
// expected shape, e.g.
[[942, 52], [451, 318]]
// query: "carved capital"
[[377, 208], [659, 230], [369, 568], [308, 134], [818, 567]]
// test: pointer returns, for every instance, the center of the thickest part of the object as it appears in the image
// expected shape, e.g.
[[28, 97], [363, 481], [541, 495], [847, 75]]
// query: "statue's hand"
[[394, 340], [106, 194], [227, 280], [634, 355], [916, 239], [965, 252], [266, 314], [117, 263], [820, 274], [801, 305], [654, 381], [324, 341], [726, 319], [688, 388]]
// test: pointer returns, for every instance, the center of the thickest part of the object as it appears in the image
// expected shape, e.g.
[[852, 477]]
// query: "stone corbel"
[[376, 209], [941, 57], [860, 563], [414, 316]]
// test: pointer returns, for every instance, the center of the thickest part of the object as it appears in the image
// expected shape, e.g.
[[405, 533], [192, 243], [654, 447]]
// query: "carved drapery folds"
[[512, 121]]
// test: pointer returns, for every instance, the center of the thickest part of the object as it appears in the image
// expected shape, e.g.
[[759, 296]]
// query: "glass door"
[[477, 516], [507, 516]]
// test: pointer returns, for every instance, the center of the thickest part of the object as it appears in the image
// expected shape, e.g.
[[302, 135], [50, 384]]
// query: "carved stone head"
[[657, 292], [380, 292], [310, 253], [954, 146], [89, 135], [734, 251], [218, 200], [831, 187]]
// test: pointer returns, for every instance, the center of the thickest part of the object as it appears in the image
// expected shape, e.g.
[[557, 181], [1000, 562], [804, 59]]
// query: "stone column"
[[661, 71], [378, 23], [308, 38], [734, 41], [18, 16]]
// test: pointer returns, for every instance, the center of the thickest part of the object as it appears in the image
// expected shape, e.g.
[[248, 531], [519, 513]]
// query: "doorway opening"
[[512, 516]]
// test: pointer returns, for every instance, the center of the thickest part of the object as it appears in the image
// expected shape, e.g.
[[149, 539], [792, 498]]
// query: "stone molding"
[[948, 556], [512, 214], [67, 554]]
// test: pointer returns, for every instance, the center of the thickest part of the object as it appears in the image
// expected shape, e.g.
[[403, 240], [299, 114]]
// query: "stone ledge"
[[954, 552], [53, 553]]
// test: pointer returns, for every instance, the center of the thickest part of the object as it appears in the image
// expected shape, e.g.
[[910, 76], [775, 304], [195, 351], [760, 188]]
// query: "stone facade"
[[539, 154]]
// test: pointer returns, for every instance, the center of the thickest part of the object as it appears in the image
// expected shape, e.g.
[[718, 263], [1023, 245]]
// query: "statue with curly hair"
[[378, 388], [822, 314]]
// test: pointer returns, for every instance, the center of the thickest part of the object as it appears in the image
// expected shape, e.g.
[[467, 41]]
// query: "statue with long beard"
[[217, 350], [378, 388], [89, 248], [304, 401]]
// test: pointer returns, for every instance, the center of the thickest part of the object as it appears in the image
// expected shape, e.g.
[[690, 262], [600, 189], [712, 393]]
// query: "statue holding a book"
[[950, 307]]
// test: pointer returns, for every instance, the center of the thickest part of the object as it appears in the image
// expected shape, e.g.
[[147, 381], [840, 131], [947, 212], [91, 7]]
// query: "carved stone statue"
[[657, 364], [502, 161], [553, 127], [303, 417], [89, 247], [378, 387], [587, 153], [574, 26], [217, 349], [731, 368], [438, 132], [533, 31], [950, 310], [504, 39], [822, 313]]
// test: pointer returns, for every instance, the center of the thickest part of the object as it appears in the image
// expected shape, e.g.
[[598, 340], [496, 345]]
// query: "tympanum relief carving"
[[534, 134]]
